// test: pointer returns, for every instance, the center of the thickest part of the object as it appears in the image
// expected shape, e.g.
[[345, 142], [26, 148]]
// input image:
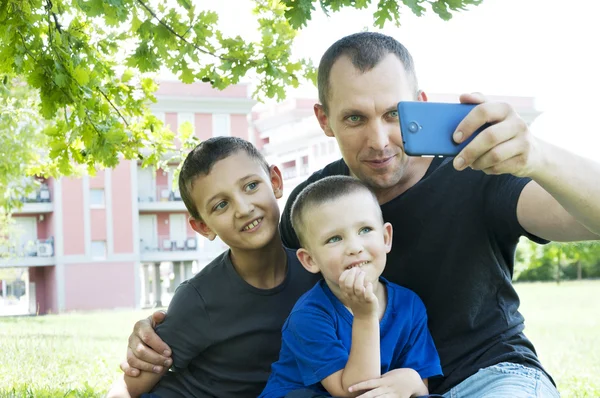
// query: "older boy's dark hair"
[[200, 161], [365, 50], [323, 191]]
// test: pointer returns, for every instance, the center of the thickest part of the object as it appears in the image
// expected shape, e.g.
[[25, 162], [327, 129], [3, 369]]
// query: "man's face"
[[363, 117]]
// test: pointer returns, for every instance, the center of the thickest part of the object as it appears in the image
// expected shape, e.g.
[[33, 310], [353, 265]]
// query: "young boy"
[[354, 331], [224, 324]]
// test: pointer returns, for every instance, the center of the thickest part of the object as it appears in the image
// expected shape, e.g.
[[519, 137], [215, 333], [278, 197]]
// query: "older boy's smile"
[[252, 225]]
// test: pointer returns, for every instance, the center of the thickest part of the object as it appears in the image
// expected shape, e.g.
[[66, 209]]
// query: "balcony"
[[164, 198], [37, 201], [36, 252], [167, 249]]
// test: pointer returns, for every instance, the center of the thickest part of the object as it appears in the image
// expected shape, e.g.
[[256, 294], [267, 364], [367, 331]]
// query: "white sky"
[[547, 49]]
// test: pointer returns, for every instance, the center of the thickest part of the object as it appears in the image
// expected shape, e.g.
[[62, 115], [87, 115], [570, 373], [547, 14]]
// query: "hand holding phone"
[[427, 127]]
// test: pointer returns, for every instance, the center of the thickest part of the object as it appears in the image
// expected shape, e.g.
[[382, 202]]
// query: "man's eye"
[[393, 114], [252, 186], [334, 239], [365, 230], [353, 119]]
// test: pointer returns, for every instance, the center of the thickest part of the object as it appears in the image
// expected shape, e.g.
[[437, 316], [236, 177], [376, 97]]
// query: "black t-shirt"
[[225, 333], [454, 241]]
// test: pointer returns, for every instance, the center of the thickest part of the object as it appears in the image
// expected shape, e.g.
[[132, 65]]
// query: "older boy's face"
[[237, 201], [347, 232]]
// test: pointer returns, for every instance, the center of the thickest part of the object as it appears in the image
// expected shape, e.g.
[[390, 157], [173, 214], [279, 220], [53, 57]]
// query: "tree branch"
[[180, 37], [113, 106]]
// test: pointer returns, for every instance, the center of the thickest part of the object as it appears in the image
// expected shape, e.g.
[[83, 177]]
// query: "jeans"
[[505, 380]]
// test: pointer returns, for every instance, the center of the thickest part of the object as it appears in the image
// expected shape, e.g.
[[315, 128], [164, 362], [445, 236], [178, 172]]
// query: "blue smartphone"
[[427, 127]]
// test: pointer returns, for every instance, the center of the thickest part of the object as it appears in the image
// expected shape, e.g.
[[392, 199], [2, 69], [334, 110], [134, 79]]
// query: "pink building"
[[104, 241]]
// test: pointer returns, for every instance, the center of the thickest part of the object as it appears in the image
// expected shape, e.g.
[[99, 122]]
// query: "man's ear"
[[387, 236], [422, 96], [201, 227], [307, 261], [323, 119], [276, 181]]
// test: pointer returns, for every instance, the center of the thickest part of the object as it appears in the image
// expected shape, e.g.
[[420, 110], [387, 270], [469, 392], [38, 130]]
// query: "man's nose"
[[378, 135]]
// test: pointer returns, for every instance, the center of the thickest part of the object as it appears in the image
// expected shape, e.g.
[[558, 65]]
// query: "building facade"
[[106, 241]]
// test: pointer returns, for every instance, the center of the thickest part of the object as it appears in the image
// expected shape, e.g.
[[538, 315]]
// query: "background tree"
[[77, 76], [557, 261]]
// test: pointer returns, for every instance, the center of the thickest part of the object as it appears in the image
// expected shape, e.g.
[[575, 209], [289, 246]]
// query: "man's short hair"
[[365, 50], [200, 161], [323, 191]]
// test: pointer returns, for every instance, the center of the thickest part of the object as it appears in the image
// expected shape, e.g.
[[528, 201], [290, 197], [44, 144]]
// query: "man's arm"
[[563, 202]]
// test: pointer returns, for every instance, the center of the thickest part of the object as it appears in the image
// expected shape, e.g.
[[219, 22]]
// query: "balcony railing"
[[164, 193], [40, 195], [164, 243], [33, 248]]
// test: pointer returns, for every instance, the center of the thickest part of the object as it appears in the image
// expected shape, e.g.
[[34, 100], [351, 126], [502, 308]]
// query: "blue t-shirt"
[[317, 335]]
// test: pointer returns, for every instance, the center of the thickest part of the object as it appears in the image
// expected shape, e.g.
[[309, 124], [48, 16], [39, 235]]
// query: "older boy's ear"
[[307, 261], [323, 119], [387, 236], [276, 181], [201, 227]]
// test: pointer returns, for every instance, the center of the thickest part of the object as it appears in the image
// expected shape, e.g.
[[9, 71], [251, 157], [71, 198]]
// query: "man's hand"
[[146, 351], [358, 294], [506, 147], [398, 383]]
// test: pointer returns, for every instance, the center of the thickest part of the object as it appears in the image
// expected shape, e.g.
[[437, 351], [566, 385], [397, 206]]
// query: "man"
[[461, 218]]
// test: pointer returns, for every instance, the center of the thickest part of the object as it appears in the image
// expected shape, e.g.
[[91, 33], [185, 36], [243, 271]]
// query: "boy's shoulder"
[[315, 300], [213, 272]]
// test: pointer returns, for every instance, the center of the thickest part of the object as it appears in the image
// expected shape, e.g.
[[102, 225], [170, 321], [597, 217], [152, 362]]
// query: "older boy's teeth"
[[252, 224]]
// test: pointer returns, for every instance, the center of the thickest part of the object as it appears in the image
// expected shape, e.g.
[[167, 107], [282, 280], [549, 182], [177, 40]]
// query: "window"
[[221, 123], [186, 117], [97, 197], [98, 250]]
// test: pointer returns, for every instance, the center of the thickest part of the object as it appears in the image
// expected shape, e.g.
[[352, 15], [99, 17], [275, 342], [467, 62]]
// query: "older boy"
[[233, 310], [353, 326]]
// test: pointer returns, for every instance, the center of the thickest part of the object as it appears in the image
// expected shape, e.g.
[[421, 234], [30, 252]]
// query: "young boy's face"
[[237, 201], [345, 233]]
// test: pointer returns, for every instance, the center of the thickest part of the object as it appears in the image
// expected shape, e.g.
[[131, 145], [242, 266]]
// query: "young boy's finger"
[[359, 284], [366, 385], [369, 295]]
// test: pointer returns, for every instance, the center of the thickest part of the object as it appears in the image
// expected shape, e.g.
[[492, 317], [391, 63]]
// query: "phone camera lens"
[[413, 127]]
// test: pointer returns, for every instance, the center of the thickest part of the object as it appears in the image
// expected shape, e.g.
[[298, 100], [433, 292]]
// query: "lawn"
[[77, 355]]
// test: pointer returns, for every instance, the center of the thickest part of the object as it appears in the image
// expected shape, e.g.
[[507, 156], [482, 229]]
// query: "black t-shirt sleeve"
[[501, 197], [185, 326]]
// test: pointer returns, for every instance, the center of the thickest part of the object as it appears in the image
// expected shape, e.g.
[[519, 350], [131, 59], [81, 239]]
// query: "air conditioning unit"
[[44, 249]]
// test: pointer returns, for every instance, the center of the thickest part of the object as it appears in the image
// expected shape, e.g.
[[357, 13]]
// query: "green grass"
[[563, 322], [77, 355]]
